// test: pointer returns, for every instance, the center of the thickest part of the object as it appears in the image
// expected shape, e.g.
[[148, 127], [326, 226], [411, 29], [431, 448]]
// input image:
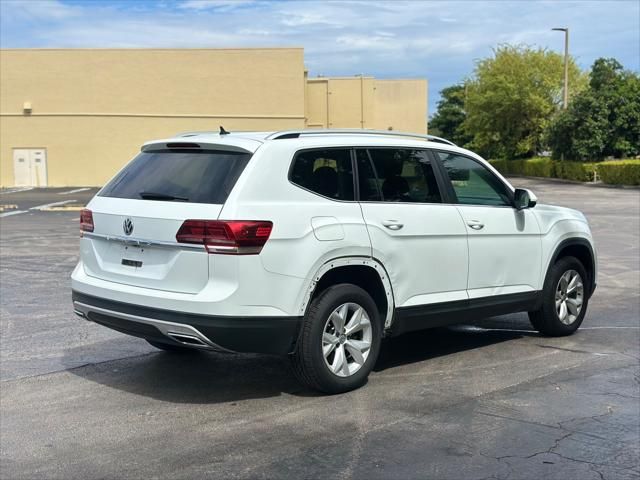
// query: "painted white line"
[[16, 190], [40, 207], [15, 212], [604, 328], [75, 191], [481, 329]]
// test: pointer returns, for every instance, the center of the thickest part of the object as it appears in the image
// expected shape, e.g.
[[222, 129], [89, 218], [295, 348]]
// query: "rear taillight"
[[231, 237], [86, 221]]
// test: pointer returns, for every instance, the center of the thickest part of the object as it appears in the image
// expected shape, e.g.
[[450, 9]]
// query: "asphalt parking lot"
[[495, 401]]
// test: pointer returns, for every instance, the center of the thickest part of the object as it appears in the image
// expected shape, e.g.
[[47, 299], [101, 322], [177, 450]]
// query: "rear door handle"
[[392, 224], [475, 224]]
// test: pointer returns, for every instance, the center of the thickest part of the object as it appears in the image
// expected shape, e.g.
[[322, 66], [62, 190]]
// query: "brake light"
[[231, 237], [86, 221]]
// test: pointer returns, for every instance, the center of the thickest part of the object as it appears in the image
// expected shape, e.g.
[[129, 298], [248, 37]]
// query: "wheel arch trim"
[[352, 261], [581, 242]]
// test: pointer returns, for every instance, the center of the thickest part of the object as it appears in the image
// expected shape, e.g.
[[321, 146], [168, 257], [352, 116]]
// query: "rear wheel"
[[565, 299], [339, 341], [168, 347]]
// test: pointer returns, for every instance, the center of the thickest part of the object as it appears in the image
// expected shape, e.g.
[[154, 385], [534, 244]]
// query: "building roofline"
[[121, 49]]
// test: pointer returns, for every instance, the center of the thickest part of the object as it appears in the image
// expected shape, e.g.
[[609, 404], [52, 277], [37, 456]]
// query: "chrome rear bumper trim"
[[170, 329], [141, 242]]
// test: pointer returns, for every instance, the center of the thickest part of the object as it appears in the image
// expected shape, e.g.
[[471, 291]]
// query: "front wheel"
[[339, 340], [564, 299]]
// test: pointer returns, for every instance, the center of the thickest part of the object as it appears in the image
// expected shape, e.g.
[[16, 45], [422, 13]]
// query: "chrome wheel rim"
[[346, 339], [569, 296]]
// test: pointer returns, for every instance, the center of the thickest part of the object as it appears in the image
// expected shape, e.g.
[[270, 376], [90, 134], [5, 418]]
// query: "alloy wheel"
[[569, 296], [346, 339]]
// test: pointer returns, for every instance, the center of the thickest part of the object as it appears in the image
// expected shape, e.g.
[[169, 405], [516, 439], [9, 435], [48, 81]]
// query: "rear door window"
[[397, 175], [204, 176], [326, 172]]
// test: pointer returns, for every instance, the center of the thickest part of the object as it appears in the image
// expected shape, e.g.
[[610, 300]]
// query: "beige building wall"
[[401, 105], [364, 102], [92, 109]]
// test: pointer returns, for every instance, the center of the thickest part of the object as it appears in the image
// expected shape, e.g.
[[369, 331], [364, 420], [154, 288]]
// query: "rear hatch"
[[137, 214]]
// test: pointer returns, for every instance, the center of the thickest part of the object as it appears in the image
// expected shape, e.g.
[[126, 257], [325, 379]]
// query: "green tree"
[[448, 120], [604, 119], [511, 98]]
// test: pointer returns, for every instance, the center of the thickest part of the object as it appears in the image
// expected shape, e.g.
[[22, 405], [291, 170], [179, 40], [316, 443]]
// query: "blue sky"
[[432, 39]]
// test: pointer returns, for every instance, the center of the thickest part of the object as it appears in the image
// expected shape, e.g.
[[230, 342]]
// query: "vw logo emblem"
[[127, 226]]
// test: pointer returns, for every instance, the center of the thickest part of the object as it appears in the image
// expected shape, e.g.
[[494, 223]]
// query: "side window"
[[397, 175], [368, 181], [473, 183], [326, 172]]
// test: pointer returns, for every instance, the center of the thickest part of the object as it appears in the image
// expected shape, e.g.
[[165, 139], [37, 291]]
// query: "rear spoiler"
[[229, 144]]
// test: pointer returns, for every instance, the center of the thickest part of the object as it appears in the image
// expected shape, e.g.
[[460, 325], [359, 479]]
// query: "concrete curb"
[[575, 182]]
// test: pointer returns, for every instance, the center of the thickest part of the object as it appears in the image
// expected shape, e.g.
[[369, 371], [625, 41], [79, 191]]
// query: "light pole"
[[565, 99]]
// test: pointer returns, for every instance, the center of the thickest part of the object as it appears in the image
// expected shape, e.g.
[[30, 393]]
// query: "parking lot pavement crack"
[[568, 433], [575, 350]]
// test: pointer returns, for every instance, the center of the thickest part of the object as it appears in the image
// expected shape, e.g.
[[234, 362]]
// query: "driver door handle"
[[392, 224], [475, 224]]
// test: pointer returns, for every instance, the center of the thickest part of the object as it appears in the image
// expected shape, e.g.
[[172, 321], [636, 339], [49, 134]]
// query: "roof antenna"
[[223, 131]]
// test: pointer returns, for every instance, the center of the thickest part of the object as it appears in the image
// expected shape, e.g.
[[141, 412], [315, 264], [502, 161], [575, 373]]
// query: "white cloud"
[[438, 40], [215, 4], [37, 10]]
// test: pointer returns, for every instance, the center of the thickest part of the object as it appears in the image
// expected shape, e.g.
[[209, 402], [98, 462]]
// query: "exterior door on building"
[[30, 167]]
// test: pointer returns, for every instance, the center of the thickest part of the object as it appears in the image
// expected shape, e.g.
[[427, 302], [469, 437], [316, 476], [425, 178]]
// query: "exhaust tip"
[[80, 314], [187, 339]]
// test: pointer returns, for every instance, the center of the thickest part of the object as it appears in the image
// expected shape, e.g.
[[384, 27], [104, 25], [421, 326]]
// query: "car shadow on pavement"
[[420, 346], [207, 378]]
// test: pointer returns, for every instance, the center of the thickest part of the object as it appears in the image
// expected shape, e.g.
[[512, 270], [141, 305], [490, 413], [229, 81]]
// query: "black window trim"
[[451, 190], [441, 180], [315, 149]]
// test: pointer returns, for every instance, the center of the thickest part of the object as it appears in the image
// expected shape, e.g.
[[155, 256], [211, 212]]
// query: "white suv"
[[317, 244]]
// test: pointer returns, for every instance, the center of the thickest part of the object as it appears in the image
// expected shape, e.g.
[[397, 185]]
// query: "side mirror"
[[523, 198]]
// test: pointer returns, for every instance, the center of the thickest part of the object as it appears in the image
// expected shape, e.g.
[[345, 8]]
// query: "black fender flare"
[[582, 242]]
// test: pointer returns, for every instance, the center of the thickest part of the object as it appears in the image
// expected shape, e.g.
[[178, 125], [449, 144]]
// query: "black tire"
[[308, 360], [546, 319], [169, 347]]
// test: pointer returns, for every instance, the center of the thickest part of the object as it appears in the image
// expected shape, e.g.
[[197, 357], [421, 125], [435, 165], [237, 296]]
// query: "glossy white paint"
[[504, 255], [434, 257], [424, 251]]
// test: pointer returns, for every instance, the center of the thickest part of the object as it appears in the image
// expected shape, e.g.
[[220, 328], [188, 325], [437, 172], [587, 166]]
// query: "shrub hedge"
[[620, 172]]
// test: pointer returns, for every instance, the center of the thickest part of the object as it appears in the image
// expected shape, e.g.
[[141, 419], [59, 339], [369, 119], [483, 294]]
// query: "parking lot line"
[[75, 191], [15, 212], [16, 190], [53, 204]]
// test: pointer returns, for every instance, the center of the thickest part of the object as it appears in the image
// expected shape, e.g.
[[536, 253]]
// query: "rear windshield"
[[205, 176]]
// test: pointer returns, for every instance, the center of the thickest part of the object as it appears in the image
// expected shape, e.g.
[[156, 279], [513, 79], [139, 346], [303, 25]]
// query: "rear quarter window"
[[204, 176], [327, 172]]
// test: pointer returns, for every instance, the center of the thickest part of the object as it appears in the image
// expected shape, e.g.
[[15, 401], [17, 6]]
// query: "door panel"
[[21, 168], [425, 255], [504, 250], [504, 243], [38, 161]]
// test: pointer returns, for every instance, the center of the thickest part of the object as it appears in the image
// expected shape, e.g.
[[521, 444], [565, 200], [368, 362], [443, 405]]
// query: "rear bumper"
[[275, 335]]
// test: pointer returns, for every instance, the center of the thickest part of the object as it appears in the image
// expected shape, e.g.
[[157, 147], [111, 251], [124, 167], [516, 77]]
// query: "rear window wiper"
[[161, 196]]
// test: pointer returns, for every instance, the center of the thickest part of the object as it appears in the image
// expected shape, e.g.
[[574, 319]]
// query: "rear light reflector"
[[86, 221], [230, 237]]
